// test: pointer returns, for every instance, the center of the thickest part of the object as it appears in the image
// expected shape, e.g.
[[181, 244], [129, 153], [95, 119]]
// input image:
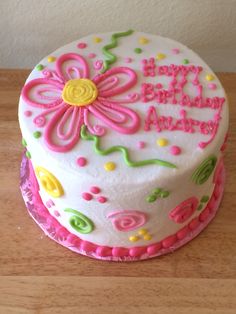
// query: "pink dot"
[[87, 196], [82, 45], [102, 199], [50, 203], [212, 86], [91, 55], [81, 161], [175, 51], [128, 60], [175, 150], [28, 113], [141, 144], [95, 189], [159, 85], [56, 213]]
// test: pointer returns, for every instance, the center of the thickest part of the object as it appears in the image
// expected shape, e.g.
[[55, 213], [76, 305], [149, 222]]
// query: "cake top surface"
[[126, 107]]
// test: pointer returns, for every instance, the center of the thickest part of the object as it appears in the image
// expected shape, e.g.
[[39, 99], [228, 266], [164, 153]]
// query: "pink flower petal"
[[118, 118], [43, 93], [72, 66], [126, 77], [63, 130]]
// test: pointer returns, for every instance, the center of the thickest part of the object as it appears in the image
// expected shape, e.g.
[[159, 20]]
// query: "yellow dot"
[[110, 166], [51, 59], [147, 237], [210, 77], [142, 231], [97, 39], [160, 56], [143, 40], [162, 142], [133, 238]]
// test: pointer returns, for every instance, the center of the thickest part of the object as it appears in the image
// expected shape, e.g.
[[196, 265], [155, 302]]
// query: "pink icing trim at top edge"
[[39, 212]]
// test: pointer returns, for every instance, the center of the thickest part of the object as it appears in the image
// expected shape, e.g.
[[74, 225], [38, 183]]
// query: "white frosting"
[[126, 188]]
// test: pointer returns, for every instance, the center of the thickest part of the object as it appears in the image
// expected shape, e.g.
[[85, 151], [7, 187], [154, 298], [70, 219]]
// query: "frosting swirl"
[[49, 182], [79, 92], [204, 170], [80, 222], [184, 210], [127, 220]]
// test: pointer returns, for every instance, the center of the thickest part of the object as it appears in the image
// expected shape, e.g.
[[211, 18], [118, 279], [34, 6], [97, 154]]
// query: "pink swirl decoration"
[[98, 64], [127, 220], [184, 210]]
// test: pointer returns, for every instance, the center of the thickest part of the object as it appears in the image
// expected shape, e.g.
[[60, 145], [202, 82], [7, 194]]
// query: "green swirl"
[[203, 172], [80, 222], [123, 150], [111, 58]]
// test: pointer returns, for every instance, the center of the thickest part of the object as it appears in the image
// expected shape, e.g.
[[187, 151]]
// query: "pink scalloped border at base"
[[53, 229]]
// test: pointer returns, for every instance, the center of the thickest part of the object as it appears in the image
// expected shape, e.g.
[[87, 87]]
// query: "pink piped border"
[[58, 233]]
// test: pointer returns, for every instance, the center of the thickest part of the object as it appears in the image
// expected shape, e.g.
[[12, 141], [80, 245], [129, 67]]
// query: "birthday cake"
[[124, 136]]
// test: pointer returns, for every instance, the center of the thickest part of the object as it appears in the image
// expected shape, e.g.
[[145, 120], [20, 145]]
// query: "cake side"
[[133, 160]]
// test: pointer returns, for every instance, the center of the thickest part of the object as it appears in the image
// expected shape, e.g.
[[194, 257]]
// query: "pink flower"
[[71, 99]]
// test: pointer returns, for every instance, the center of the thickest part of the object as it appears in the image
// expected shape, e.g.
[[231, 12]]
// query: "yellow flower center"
[[79, 92]]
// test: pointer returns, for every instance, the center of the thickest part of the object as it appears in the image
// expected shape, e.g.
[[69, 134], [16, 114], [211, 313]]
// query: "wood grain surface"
[[40, 276]]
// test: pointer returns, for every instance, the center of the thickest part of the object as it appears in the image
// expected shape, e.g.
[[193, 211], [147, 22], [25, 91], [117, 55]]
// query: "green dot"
[[151, 198], [200, 207], [39, 67], [185, 61], [156, 192], [205, 198], [165, 194], [37, 134], [138, 50], [23, 142], [28, 155]]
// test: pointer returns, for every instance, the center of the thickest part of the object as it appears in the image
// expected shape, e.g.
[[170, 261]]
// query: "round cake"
[[124, 136]]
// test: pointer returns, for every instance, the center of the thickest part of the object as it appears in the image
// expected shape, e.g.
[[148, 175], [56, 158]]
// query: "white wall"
[[31, 29]]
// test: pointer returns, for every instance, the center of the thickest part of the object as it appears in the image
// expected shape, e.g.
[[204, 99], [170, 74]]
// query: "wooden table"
[[40, 276]]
